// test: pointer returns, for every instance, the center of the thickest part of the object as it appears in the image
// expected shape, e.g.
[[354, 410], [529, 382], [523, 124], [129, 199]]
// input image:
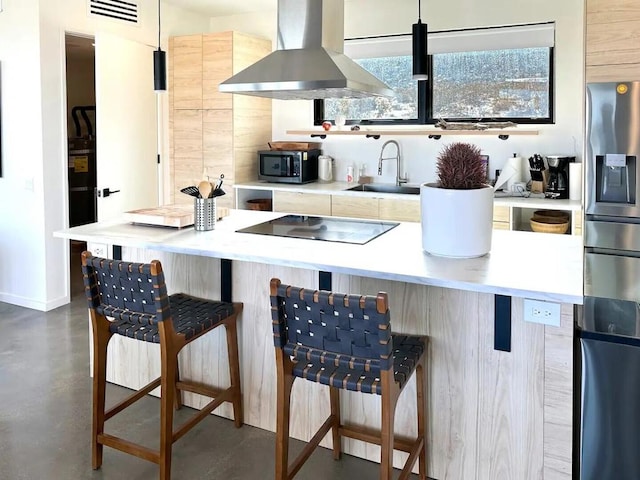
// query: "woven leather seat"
[[134, 296], [345, 342]]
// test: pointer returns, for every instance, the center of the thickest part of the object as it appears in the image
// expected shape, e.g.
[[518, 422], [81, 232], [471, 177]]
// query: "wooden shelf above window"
[[503, 134]]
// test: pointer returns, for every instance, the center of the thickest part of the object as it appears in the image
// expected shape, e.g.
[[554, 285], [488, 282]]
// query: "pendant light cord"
[[158, 24], [419, 9]]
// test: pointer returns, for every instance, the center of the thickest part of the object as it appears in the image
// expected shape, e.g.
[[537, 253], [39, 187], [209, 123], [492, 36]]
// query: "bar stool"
[[135, 296], [345, 342]]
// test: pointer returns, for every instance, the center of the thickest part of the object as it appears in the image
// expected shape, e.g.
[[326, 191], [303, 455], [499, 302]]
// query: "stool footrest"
[[129, 447], [311, 445], [225, 396], [373, 436], [418, 445], [199, 388], [131, 399]]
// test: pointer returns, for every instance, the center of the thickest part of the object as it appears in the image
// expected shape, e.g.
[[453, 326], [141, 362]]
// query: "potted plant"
[[457, 210]]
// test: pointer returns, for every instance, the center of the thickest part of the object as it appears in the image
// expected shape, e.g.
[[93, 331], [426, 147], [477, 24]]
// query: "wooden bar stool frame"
[[390, 391], [171, 386]]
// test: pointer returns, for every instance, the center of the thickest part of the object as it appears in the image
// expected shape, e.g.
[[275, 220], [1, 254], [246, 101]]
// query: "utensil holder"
[[204, 214]]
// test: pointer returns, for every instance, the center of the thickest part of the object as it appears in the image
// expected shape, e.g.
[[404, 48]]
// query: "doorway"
[[81, 144]]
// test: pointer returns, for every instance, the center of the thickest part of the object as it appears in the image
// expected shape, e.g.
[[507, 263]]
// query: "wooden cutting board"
[[176, 216]]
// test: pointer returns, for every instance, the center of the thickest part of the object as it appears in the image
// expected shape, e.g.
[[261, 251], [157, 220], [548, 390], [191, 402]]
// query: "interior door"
[[126, 120]]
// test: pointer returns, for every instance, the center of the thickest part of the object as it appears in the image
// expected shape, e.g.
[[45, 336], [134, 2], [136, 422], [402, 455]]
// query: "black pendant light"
[[159, 63], [419, 37]]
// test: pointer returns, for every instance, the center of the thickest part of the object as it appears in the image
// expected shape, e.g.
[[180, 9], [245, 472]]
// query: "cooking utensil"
[[219, 183], [191, 190], [204, 188]]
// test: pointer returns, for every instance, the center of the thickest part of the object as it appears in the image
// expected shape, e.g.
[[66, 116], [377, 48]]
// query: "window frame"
[[519, 120], [425, 95]]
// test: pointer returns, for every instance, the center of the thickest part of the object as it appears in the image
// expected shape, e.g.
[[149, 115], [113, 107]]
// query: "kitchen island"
[[492, 413]]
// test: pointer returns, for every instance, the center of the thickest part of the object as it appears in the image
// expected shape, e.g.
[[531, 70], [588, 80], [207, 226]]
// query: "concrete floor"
[[45, 418]]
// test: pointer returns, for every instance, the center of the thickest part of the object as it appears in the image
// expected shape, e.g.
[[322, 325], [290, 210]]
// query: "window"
[[473, 77], [512, 85], [389, 59]]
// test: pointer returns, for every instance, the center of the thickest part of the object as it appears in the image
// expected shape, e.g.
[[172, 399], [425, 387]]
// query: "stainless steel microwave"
[[288, 166]]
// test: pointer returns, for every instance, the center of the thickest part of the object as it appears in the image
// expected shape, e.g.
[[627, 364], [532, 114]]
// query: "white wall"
[[379, 17], [34, 265]]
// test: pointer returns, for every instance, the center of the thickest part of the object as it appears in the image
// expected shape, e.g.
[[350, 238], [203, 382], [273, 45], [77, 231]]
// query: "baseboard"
[[34, 304]]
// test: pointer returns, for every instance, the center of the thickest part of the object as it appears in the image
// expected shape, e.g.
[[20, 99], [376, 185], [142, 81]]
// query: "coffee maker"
[[558, 183]]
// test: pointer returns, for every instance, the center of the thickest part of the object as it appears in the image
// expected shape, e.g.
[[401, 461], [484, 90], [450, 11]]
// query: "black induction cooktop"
[[329, 229]]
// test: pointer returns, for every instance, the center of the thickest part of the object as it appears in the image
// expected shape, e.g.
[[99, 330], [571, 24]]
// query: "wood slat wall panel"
[[187, 72], [216, 68], [512, 449], [558, 412]]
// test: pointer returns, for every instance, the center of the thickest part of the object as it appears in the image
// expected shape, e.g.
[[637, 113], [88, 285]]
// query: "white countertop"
[[522, 264], [333, 188]]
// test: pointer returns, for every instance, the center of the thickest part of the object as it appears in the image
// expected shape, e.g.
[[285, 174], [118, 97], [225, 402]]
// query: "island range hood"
[[309, 62]]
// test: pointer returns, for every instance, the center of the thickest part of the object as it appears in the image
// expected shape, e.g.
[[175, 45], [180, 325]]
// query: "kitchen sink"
[[381, 188]]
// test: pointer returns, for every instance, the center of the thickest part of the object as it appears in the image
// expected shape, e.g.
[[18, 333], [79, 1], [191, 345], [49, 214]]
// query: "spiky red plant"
[[460, 167]]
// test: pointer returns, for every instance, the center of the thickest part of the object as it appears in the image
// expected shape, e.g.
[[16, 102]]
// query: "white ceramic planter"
[[456, 223]]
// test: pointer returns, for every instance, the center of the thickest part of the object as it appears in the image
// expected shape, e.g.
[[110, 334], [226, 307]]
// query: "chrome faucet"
[[399, 180]]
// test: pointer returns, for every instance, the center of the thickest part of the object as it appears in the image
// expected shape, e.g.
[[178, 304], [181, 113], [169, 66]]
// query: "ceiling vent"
[[115, 9]]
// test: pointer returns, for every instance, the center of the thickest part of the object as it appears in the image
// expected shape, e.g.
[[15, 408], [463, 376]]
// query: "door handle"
[[105, 192]]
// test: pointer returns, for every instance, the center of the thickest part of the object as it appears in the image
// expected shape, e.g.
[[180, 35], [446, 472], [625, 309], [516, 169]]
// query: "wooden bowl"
[[557, 225], [263, 204], [549, 216]]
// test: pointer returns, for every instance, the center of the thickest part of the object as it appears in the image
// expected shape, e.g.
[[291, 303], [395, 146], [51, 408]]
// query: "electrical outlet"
[[538, 311], [98, 249]]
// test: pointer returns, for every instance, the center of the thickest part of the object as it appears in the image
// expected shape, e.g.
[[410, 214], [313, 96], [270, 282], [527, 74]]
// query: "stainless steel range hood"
[[309, 63]]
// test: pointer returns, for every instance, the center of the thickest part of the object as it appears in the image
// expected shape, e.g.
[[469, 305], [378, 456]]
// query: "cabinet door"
[[399, 209], [354, 207], [501, 217], [612, 50], [217, 67], [187, 72], [576, 222], [187, 161], [303, 203]]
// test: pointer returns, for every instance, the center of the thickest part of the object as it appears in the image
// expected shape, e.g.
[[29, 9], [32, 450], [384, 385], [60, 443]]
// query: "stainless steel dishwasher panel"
[[610, 411]]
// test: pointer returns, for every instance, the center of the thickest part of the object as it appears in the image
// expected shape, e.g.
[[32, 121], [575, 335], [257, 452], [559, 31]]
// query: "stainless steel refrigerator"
[[609, 328]]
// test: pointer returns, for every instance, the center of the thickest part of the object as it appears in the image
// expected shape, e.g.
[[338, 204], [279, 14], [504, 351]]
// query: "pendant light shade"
[[159, 70], [159, 64], [420, 54]]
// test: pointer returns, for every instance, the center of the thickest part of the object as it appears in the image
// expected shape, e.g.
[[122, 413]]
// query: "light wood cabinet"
[[354, 207], [501, 217], [302, 203], [612, 47], [212, 132], [403, 210]]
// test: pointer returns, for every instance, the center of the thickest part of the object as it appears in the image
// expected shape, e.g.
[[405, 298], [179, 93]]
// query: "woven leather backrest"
[[125, 290], [331, 327]]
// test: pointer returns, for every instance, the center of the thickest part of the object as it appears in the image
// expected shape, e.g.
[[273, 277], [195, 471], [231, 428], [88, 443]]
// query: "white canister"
[[325, 168]]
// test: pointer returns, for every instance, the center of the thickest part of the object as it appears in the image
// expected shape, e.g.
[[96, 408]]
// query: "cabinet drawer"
[[501, 214], [399, 209], [501, 226], [348, 206], [303, 203]]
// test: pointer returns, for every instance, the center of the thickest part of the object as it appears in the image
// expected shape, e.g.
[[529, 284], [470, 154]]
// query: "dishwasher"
[[610, 391]]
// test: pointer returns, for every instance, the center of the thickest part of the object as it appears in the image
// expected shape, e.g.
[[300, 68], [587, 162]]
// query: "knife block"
[[539, 180]]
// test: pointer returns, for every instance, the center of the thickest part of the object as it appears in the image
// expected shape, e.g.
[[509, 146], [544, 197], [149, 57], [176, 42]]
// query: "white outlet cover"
[[539, 311]]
